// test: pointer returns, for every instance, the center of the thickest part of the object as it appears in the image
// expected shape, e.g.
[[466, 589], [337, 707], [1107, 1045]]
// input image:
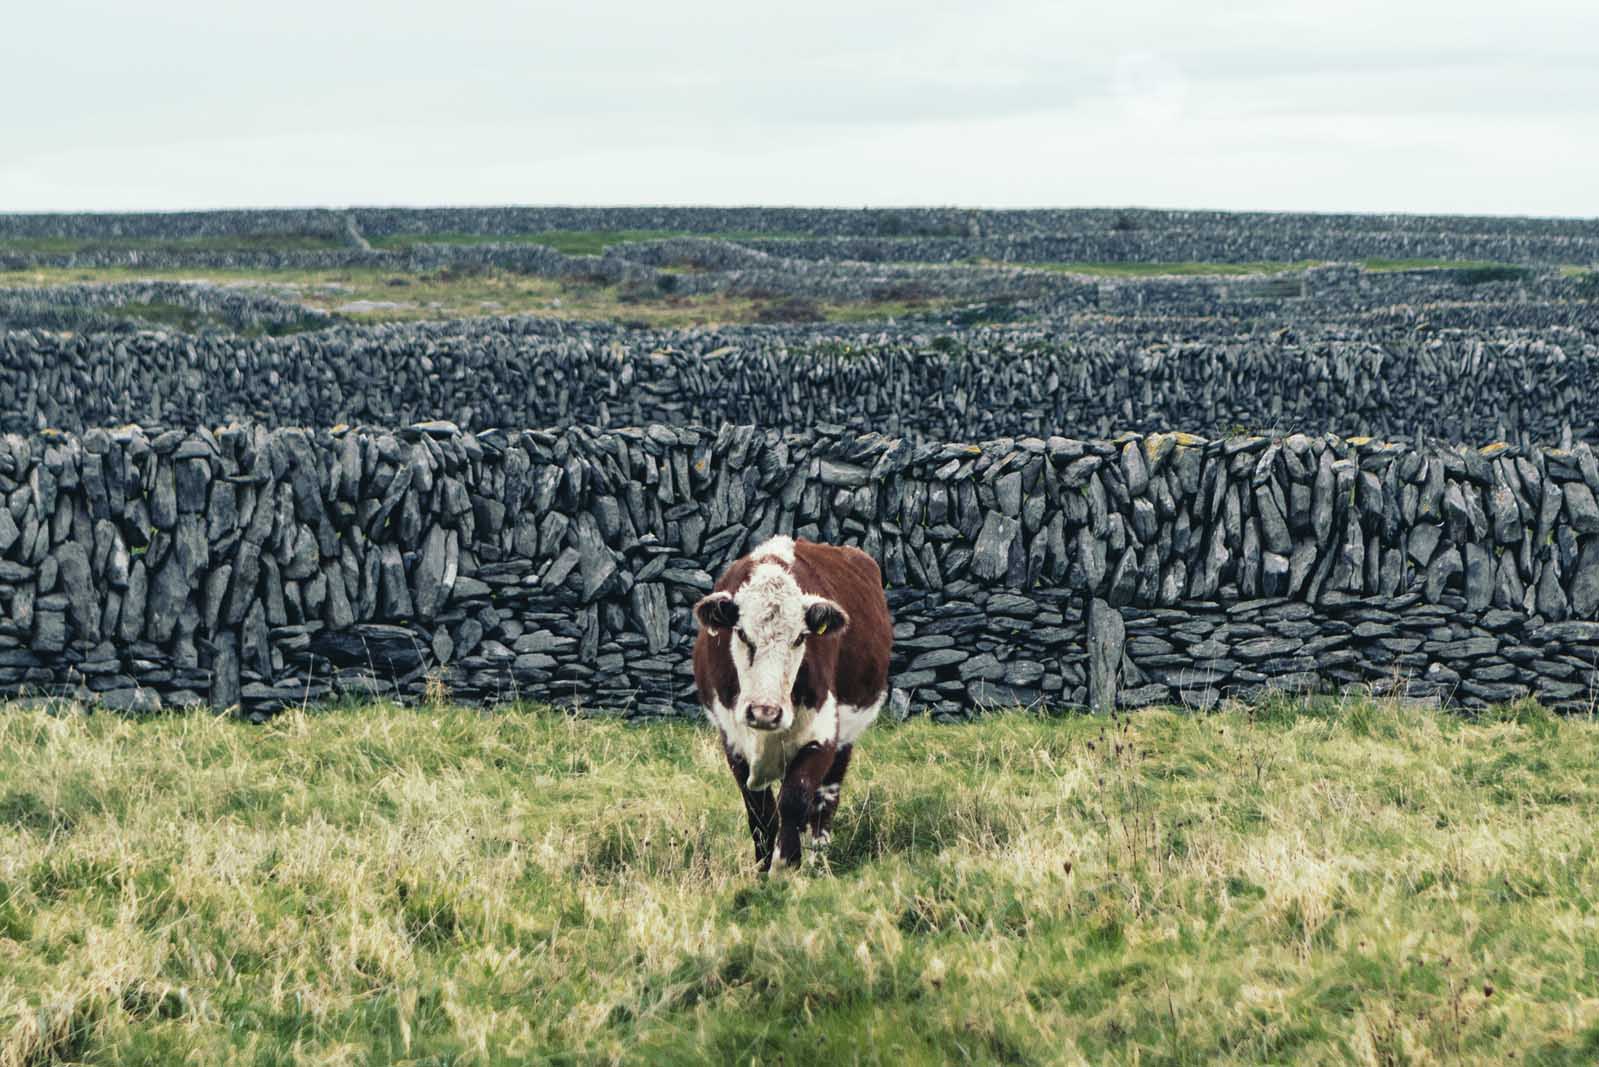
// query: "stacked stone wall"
[[259, 567], [1390, 377]]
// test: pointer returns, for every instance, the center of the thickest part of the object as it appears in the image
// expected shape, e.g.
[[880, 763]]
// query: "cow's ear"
[[717, 612], [823, 616]]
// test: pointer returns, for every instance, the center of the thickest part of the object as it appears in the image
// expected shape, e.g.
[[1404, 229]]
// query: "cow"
[[791, 664]]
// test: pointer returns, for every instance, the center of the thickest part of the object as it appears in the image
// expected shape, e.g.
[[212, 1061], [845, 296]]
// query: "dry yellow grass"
[[370, 295], [1341, 882]]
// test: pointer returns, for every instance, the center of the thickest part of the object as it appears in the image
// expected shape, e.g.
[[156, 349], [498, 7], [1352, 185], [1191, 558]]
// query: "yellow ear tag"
[[822, 629]]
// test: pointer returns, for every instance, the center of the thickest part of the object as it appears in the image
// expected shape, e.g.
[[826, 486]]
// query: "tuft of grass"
[[1307, 880]]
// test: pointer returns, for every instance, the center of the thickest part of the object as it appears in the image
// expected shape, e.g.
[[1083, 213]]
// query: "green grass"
[[1319, 883], [456, 294]]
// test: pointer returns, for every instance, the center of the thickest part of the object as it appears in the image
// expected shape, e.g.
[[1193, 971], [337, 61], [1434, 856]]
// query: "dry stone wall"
[[1393, 378], [156, 225], [904, 223], [1281, 242], [115, 307], [903, 236], [258, 567]]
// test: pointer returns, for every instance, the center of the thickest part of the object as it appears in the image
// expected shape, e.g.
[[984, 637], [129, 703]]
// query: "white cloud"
[[1366, 106]]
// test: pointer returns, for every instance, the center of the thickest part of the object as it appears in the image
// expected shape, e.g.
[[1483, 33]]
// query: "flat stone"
[[1494, 692], [1574, 632], [78, 582], [1266, 647], [1024, 672], [991, 554], [899, 705], [1107, 635], [1470, 648], [649, 609], [441, 428], [833, 472], [938, 657], [135, 701], [393, 650], [1134, 469], [429, 593], [1479, 577], [1144, 696], [1008, 493], [983, 665], [1585, 581], [1140, 647], [1011, 604], [1581, 509]]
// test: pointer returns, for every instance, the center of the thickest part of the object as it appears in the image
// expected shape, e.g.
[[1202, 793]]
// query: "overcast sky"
[[1359, 105]]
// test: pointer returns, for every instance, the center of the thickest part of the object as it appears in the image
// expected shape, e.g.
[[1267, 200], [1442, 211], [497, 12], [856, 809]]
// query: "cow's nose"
[[764, 716]]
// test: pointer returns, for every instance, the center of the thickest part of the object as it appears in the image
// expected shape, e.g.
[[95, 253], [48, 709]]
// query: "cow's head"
[[771, 622]]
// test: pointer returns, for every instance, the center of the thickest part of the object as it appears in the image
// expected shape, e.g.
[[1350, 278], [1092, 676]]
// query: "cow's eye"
[[800, 640], [744, 637]]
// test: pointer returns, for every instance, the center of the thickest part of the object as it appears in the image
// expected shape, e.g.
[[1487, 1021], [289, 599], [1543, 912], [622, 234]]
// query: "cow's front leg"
[[798, 796], [759, 808], [827, 799]]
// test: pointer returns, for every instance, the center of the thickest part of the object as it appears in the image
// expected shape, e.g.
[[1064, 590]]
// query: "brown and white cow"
[[791, 663]]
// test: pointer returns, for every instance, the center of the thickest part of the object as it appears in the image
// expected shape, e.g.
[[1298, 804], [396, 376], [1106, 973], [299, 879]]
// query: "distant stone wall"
[[259, 568], [148, 225], [937, 235], [1390, 379], [113, 307], [1284, 241], [903, 223]]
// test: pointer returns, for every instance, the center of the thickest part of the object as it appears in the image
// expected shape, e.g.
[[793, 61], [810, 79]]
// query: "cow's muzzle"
[[763, 716]]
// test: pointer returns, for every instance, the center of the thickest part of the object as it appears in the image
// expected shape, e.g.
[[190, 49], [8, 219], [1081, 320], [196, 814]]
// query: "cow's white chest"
[[769, 752], [853, 719]]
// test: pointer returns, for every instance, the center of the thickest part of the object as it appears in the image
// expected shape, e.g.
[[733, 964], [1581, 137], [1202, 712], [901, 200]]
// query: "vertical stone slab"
[[1107, 636], [225, 670]]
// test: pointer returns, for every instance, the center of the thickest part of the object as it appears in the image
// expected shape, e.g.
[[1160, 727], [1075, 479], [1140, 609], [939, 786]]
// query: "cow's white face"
[[770, 619]]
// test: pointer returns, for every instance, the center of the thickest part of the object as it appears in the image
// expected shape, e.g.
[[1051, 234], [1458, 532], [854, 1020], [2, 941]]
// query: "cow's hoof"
[[780, 870], [818, 842]]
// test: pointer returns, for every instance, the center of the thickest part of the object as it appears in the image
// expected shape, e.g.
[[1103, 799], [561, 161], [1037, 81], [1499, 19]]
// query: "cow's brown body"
[[786, 603]]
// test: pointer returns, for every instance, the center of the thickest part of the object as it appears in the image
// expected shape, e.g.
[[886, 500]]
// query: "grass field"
[[371, 295], [1309, 883]]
